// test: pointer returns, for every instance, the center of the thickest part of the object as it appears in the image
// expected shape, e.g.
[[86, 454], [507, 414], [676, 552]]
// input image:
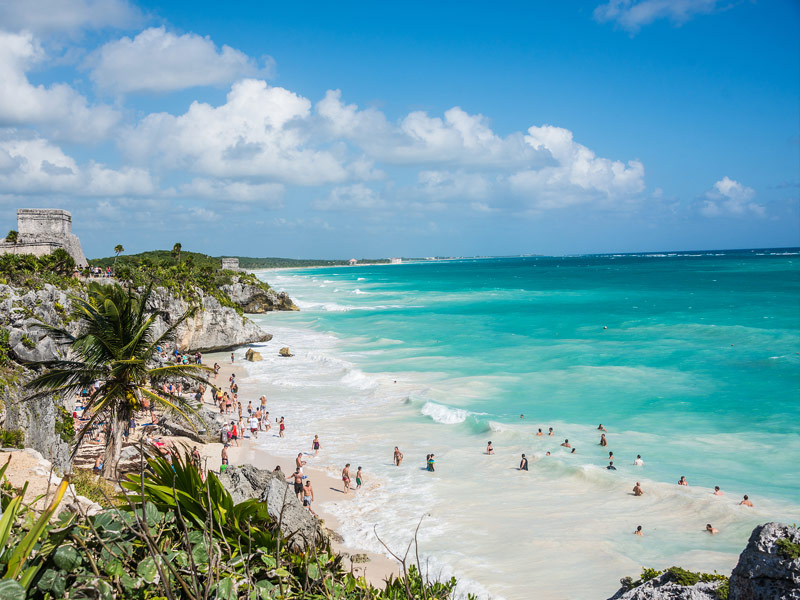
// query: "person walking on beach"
[[254, 427], [308, 496], [299, 462], [231, 357], [234, 433], [297, 477], [523, 464], [216, 370], [224, 458], [263, 401], [637, 489], [315, 445], [431, 463], [489, 448], [358, 478], [265, 422], [346, 477], [398, 456], [603, 441], [282, 428]]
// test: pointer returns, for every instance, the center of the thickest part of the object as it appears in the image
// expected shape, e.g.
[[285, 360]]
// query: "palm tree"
[[176, 251], [115, 347], [118, 249]]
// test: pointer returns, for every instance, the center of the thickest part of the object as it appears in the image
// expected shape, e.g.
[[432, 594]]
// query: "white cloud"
[[577, 175], [728, 197], [261, 131], [48, 16], [58, 109], [34, 166], [356, 197], [633, 14], [159, 61], [447, 184], [265, 195]]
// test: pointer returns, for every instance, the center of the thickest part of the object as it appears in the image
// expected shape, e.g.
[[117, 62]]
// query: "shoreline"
[[327, 489]]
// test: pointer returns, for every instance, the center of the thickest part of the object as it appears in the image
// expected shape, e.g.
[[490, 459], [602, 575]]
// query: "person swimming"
[[638, 530], [711, 529], [611, 467], [538, 433], [601, 428], [566, 444], [746, 501], [717, 491]]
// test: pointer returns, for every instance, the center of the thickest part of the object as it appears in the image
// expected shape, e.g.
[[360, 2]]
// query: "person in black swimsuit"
[[523, 465]]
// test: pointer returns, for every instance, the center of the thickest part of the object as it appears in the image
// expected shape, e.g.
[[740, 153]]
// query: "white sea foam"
[[443, 414]]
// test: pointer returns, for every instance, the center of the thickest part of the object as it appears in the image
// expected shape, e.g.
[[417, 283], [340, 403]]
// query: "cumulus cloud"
[[265, 195], [576, 175], [256, 133], [159, 61], [356, 197], [728, 197], [58, 109], [49, 16], [35, 166], [633, 14]]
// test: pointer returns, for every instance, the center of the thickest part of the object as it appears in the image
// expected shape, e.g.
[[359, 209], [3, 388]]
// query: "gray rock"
[[663, 588], [255, 300], [762, 573], [246, 481]]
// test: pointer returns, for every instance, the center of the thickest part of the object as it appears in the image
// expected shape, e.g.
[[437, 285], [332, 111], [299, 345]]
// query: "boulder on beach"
[[252, 355], [285, 352]]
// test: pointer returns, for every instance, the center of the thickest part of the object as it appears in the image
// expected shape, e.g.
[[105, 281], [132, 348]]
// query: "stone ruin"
[[230, 264], [40, 231]]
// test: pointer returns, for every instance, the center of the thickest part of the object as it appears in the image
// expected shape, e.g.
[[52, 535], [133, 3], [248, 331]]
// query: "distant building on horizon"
[[395, 261], [353, 262], [40, 231], [230, 264]]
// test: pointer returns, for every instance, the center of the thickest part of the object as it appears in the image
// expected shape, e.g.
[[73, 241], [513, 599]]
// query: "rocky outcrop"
[[257, 300], [252, 355], [763, 572], [207, 425], [213, 327], [297, 523]]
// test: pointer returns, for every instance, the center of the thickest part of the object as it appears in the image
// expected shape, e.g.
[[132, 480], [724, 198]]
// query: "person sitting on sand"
[[539, 433], [637, 489], [398, 456], [682, 481], [717, 491], [346, 477], [611, 466], [523, 464], [566, 444], [489, 448], [638, 530], [711, 529], [308, 496], [746, 501], [315, 445], [638, 462], [603, 441]]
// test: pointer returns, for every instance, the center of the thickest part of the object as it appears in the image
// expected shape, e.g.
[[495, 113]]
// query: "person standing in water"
[[638, 462], [358, 478], [431, 463], [682, 481], [523, 464], [717, 491], [489, 448], [746, 501], [638, 530], [346, 477], [315, 445], [603, 441], [711, 529], [551, 432], [398, 456], [282, 427]]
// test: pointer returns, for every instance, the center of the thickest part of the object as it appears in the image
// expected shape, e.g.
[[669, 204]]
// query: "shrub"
[[28, 342], [65, 426], [788, 549], [12, 438], [94, 487]]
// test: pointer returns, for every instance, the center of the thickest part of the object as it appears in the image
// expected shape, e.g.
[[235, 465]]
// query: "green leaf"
[[313, 571], [104, 590], [226, 589], [52, 581], [200, 553], [11, 590], [281, 572], [152, 515], [269, 560], [114, 568], [129, 583], [147, 570], [67, 558]]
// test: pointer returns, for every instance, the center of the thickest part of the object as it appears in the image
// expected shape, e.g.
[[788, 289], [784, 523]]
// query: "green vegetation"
[[32, 271], [116, 342], [28, 342], [247, 262], [64, 426], [12, 236], [12, 438], [87, 483], [788, 549], [681, 577], [175, 536]]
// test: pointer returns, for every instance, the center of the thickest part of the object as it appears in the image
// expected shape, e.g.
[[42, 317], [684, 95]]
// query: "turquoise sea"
[[691, 360]]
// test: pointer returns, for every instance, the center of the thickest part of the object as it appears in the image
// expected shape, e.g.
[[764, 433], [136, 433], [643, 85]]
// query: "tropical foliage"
[[29, 270], [175, 536], [115, 347]]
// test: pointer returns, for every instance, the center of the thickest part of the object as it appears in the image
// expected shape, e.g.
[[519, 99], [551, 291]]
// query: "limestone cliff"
[[256, 299]]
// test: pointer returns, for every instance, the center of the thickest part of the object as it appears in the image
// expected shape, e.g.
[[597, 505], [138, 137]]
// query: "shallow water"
[[690, 360]]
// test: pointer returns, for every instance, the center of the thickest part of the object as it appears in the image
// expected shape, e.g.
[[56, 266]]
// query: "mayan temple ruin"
[[42, 230]]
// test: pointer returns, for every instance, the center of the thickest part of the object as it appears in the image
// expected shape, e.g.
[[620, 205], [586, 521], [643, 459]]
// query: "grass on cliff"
[[681, 577]]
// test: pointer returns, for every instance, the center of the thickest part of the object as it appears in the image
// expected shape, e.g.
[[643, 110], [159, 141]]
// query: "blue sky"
[[413, 129]]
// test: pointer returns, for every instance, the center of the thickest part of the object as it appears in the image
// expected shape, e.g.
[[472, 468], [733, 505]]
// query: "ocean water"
[[690, 359]]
